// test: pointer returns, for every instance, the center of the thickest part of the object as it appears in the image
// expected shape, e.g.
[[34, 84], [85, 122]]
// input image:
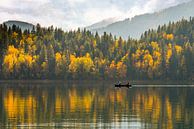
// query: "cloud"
[[150, 6], [94, 15], [69, 14]]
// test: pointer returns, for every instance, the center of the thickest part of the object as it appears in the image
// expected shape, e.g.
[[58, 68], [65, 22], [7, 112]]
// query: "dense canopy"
[[51, 53]]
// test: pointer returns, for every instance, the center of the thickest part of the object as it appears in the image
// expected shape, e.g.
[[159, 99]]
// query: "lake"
[[60, 104]]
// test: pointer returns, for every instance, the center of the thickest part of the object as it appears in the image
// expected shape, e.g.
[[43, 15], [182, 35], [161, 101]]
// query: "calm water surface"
[[57, 104]]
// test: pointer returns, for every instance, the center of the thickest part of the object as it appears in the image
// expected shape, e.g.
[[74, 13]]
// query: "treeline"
[[51, 53]]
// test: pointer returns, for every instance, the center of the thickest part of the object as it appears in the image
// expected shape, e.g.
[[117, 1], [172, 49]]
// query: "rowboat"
[[123, 85]]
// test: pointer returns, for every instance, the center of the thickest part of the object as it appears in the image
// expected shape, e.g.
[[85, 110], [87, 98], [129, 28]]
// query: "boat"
[[119, 85]]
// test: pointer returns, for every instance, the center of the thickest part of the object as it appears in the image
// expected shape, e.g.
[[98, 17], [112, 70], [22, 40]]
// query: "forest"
[[166, 53]]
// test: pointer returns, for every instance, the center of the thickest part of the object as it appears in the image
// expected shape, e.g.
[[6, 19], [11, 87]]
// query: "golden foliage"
[[29, 60], [116, 43], [157, 59], [111, 70], [147, 60], [168, 53], [121, 70], [125, 58], [84, 63], [178, 49], [12, 50], [155, 46], [94, 43], [168, 36], [14, 35], [15, 57], [58, 57], [29, 40], [9, 62], [112, 65], [10, 58]]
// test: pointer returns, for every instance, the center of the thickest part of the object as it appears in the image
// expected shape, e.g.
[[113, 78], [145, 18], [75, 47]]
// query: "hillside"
[[137, 25], [165, 53], [21, 24], [102, 23]]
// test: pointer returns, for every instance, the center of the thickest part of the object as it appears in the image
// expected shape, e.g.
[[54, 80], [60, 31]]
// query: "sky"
[[70, 14]]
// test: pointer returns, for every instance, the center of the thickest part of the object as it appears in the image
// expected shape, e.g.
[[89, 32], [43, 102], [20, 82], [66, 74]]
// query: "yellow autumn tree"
[[58, 63], [121, 70], [147, 59], [168, 36], [168, 53], [147, 63], [81, 65], [111, 71], [157, 59], [73, 64], [58, 57], [14, 58], [178, 49], [155, 46], [136, 57], [10, 59]]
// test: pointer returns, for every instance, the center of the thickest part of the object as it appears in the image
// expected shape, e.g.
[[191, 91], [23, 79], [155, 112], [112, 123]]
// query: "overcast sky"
[[69, 14]]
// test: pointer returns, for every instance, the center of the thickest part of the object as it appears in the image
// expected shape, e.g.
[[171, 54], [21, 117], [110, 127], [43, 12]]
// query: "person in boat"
[[119, 83]]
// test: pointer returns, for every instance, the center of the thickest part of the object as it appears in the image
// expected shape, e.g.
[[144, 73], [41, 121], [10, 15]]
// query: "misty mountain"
[[135, 26], [102, 23], [21, 24]]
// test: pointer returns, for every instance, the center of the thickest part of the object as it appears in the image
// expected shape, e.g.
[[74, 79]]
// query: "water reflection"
[[91, 105]]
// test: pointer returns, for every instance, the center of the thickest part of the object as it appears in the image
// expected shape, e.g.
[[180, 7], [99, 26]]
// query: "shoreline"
[[138, 83]]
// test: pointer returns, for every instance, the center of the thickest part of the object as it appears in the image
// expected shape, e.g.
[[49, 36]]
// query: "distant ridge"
[[102, 23], [21, 24], [137, 25]]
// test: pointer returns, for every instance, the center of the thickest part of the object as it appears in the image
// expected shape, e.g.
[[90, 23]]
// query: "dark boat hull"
[[127, 85]]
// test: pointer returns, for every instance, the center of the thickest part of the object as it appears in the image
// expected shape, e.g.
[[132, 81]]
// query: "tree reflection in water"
[[95, 105]]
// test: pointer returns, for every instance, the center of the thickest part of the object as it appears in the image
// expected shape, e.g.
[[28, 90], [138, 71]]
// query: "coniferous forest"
[[51, 53]]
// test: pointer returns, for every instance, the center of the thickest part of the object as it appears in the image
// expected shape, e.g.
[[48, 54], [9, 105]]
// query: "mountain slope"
[[22, 25], [137, 25], [102, 23]]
